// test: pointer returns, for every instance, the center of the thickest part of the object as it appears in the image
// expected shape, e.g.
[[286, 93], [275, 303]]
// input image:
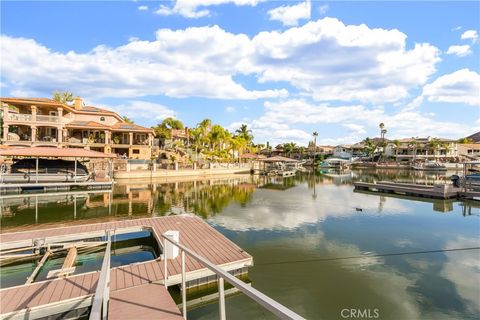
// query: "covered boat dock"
[[34, 180]]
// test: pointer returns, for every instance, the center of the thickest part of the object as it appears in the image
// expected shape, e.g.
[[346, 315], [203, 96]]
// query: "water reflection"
[[318, 246]]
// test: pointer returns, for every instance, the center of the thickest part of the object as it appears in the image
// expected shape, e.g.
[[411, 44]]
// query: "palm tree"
[[383, 131], [413, 143], [396, 143], [204, 126], [433, 145], [245, 133], [288, 148], [369, 146], [63, 97]]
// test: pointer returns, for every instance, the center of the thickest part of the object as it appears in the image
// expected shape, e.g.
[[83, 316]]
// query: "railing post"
[[165, 276], [184, 287], [221, 301]]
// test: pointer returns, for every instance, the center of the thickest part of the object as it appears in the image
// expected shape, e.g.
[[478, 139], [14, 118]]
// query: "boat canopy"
[[278, 159], [49, 152], [336, 160]]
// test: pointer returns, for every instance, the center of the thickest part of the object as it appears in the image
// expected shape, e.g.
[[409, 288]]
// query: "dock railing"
[[273, 306], [102, 293]]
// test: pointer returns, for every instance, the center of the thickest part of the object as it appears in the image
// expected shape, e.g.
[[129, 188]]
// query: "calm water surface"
[[318, 246]]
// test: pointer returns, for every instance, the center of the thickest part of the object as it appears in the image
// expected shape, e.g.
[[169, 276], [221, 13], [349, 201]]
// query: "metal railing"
[[273, 306], [102, 293]]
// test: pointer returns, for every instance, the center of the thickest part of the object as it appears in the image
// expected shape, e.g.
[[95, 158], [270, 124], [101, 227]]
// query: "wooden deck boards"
[[149, 301], [194, 233]]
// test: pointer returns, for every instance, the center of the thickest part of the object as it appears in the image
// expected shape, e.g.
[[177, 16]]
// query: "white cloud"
[[143, 8], [192, 62], [462, 86], [470, 35], [414, 104], [356, 129], [459, 51], [317, 59], [457, 28], [284, 119], [290, 15], [190, 8], [230, 109]]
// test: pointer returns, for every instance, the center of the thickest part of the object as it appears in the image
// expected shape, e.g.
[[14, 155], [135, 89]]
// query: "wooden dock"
[[62, 295], [148, 301], [415, 190]]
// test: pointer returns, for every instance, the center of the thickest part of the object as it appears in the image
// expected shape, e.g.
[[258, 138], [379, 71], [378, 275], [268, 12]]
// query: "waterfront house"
[[422, 148], [42, 122]]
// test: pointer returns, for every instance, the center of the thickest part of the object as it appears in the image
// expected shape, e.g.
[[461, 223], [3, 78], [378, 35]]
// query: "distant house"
[[469, 150], [343, 151]]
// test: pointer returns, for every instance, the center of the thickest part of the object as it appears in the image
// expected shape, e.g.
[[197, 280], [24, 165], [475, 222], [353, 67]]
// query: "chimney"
[[78, 103]]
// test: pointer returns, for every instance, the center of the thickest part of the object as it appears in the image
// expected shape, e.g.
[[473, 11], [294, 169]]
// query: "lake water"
[[319, 248]]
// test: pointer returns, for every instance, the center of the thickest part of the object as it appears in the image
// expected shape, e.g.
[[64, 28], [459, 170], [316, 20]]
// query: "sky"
[[284, 68]]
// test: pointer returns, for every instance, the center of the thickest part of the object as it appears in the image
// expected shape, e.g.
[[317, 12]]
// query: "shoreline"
[[162, 173]]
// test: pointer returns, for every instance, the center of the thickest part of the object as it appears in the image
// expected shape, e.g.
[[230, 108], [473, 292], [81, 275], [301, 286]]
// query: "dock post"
[[165, 276], [221, 302], [184, 288]]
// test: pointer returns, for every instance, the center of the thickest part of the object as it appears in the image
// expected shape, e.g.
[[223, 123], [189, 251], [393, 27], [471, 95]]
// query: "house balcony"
[[29, 118]]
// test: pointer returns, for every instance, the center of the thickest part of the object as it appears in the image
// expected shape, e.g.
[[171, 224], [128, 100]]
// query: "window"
[[102, 118], [136, 151]]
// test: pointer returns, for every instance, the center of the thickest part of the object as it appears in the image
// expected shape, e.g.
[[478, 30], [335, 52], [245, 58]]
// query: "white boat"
[[25, 171], [286, 173], [430, 166]]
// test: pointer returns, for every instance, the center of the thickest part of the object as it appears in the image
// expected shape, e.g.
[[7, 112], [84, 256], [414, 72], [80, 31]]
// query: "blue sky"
[[285, 68]]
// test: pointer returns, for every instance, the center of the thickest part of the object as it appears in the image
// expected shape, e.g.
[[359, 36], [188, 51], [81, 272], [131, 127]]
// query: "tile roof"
[[129, 127], [87, 124]]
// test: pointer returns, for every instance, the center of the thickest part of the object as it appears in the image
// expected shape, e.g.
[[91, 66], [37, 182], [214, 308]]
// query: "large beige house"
[[422, 148], [45, 122]]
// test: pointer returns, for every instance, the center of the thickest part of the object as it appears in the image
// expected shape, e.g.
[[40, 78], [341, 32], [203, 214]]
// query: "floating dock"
[[440, 191], [138, 287]]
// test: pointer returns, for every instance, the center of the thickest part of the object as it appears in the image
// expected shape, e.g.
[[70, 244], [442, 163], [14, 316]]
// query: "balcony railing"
[[42, 118], [25, 117], [19, 117]]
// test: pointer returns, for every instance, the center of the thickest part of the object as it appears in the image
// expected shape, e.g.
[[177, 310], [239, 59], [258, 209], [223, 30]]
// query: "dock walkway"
[[75, 291], [438, 191], [149, 301]]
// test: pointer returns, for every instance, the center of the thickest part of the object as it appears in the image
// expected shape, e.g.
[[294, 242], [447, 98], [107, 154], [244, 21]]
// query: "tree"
[[288, 148], [63, 97], [315, 135], [164, 128], [465, 141], [433, 145], [245, 133], [413, 144], [127, 120], [396, 143], [383, 131], [369, 147]]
